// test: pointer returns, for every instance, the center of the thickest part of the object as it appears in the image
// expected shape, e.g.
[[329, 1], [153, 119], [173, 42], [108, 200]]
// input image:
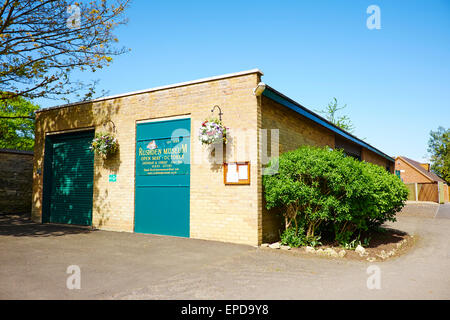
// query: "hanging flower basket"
[[104, 144], [212, 131]]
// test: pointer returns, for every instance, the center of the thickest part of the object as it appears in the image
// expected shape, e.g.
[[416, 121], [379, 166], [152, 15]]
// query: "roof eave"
[[277, 96]]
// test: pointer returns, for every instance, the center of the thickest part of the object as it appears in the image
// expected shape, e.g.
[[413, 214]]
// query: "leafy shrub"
[[298, 238], [324, 191], [351, 245], [293, 239]]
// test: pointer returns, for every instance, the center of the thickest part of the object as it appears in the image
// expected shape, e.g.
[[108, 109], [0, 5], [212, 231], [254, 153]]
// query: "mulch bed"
[[383, 246], [391, 240]]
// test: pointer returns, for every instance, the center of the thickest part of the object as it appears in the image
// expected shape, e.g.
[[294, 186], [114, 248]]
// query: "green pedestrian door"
[[163, 177], [68, 178]]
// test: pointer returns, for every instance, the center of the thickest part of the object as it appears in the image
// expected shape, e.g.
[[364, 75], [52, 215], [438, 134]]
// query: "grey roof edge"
[[359, 141], [170, 86], [16, 151]]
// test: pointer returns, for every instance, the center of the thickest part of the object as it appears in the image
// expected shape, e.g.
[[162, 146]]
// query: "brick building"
[[72, 185], [424, 184]]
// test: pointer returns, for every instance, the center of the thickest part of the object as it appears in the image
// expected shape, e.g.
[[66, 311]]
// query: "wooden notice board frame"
[[240, 181]]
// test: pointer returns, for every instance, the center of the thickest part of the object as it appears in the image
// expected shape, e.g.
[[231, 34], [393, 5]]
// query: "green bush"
[[297, 238], [292, 238], [323, 191]]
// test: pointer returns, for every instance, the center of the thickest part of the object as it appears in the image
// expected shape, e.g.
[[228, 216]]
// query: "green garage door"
[[163, 177], [68, 178]]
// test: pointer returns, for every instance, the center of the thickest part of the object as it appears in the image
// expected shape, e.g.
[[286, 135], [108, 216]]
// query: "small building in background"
[[423, 184]]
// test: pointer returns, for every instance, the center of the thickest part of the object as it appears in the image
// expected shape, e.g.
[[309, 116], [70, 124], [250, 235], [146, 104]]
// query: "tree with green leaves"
[[42, 42], [321, 191], [17, 124], [439, 149], [331, 114]]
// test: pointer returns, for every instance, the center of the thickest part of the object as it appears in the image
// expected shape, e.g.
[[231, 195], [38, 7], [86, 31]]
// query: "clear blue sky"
[[395, 81]]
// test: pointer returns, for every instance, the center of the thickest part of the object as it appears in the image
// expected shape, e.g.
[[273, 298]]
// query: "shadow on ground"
[[22, 226], [388, 236]]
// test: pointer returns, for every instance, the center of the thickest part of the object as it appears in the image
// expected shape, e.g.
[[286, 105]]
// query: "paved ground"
[[422, 209], [34, 259], [444, 211]]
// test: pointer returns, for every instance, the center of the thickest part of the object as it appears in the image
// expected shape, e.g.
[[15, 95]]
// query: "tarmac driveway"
[[444, 211], [34, 259]]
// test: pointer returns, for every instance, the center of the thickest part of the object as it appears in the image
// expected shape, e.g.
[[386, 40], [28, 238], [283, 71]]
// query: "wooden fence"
[[428, 192]]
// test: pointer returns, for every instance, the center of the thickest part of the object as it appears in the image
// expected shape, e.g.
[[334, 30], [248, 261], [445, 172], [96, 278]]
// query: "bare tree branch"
[[40, 48]]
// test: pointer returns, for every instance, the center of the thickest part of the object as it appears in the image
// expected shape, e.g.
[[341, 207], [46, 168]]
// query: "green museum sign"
[[162, 156]]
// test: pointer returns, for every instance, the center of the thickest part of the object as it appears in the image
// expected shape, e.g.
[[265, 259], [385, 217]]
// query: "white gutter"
[[259, 89]]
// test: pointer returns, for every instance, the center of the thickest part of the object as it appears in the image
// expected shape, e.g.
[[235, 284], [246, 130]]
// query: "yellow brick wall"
[[294, 129], [217, 212]]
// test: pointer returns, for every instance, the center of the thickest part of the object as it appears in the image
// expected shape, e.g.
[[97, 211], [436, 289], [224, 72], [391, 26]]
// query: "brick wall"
[[294, 129], [15, 181], [372, 157], [217, 212]]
